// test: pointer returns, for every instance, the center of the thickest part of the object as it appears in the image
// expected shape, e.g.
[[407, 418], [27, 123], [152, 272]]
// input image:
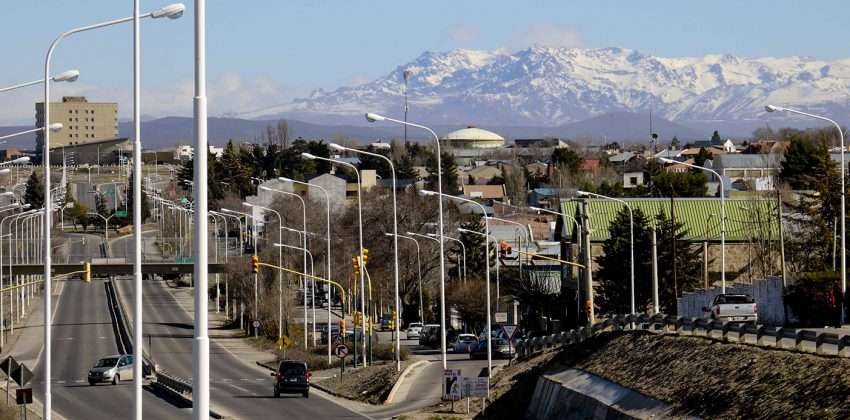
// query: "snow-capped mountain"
[[556, 86]]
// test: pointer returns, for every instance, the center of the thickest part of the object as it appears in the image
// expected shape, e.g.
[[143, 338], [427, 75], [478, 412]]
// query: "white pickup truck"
[[733, 308]]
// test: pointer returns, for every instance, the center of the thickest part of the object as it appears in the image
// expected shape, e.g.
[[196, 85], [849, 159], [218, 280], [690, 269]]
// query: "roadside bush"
[[815, 299]]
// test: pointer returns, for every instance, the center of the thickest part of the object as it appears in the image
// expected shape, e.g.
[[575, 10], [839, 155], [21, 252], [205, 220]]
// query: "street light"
[[372, 117], [631, 239], [65, 76], [360, 236], [463, 250], [395, 243], [54, 127], [486, 273], [773, 108], [328, 241], [280, 273], [171, 11], [419, 270], [722, 217]]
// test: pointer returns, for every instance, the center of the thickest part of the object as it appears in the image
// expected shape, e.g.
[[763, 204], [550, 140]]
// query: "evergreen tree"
[[34, 194], [380, 166], [449, 172], [404, 168], [675, 143], [715, 139], [146, 210], [474, 243], [563, 157], [614, 290], [670, 239], [806, 164], [701, 157]]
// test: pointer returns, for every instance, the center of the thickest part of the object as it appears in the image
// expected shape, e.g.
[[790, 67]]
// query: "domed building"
[[473, 138]]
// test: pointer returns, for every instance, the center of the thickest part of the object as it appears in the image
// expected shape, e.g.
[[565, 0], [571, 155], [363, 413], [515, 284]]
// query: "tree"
[[675, 143], [448, 172], [692, 183], [614, 290], [404, 168], [146, 210], [34, 194], [701, 157], [79, 214], [563, 157], [715, 139], [671, 241], [380, 166], [806, 164]]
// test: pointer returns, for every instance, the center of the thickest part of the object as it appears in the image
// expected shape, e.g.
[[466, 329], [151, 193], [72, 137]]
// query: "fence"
[[769, 295], [809, 341]]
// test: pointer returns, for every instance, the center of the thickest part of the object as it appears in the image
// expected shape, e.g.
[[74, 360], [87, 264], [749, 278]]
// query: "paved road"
[[236, 388], [83, 332]]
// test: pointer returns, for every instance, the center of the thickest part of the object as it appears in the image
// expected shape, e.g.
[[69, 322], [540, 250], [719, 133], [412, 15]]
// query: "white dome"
[[473, 138], [473, 134]]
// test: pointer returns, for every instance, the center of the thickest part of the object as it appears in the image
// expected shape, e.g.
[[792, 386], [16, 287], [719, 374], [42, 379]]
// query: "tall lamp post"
[[773, 108], [170, 11], [460, 274], [631, 239], [372, 117], [360, 237], [418, 270], [280, 273], [65, 76], [722, 217], [328, 241], [395, 241], [486, 273]]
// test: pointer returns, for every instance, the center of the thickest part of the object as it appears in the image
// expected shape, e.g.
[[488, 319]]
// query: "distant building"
[[82, 121], [484, 192], [755, 171], [633, 179], [481, 174], [590, 165], [554, 142], [472, 138], [379, 145]]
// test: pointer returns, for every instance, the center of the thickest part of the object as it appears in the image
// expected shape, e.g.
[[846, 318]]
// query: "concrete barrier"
[[573, 394]]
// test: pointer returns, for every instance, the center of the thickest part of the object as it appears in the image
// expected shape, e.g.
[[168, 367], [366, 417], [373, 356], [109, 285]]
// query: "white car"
[[413, 330], [465, 342]]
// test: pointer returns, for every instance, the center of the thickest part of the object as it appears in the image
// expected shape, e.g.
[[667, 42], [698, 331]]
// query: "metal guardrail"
[[175, 383], [808, 341]]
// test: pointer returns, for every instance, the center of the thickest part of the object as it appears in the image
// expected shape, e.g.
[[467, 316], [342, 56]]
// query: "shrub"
[[815, 299]]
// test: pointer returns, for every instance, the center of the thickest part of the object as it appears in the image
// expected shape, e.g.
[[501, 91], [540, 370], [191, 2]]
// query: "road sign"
[[21, 375], [475, 387], [451, 384], [120, 213], [341, 351], [23, 396], [256, 324], [509, 330], [9, 365], [501, 317]]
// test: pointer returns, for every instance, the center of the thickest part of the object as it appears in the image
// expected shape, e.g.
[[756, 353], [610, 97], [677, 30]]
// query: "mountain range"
[[543, 86]]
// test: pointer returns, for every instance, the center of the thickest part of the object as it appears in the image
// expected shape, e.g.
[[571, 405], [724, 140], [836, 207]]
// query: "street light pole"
[[280, 273], [486, 274], [327, 252], [371, 117], [462, 265], [722, 217], [360, 227], [395, 239], [419, 270], [631, 239], [772, 108]]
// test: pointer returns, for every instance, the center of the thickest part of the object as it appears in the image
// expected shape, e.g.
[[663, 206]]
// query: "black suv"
[[293, 377]]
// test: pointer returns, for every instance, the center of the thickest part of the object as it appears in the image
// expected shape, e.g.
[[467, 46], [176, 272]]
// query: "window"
[[633, 180]]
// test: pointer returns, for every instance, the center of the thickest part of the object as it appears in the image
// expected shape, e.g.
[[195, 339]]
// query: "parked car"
[[112, 369], [733, 308], [293, 377], [501, 349], [464, 343], [429, 335], [334, 333], [413, 330]]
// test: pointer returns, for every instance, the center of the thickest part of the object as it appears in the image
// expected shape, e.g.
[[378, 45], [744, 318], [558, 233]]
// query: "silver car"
[[413, 330], [465, 343], [112, 369]]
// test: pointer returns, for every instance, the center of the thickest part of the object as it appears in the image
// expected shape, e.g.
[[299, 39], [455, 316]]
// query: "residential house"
[[749, 171], [480, 174], [553, 142], [484, 192]]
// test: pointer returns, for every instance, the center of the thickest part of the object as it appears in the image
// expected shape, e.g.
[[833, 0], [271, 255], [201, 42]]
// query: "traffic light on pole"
[[355, 264], [392, 320], [342, 327], [255, 264], [365, 256], [87, 272]]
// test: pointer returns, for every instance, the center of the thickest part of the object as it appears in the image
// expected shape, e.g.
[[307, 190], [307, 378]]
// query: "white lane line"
[[80, 381], [60, 382], [65, 339], [245, 380], [101, 338]]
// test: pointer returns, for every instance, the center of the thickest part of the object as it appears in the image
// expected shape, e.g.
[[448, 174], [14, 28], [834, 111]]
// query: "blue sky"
[[263, 52]]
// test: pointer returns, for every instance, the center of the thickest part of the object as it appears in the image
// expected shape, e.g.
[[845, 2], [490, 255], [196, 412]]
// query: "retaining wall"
[[768, 294]]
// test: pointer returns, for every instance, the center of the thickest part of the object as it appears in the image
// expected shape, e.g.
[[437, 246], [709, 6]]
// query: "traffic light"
[[365, 256], [355, 264], [255, 264], [358, 319], [87, 272], [342, 327], [392, 320]]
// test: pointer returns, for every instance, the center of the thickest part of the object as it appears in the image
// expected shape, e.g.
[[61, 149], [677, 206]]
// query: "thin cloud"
[[546, 35], [461, 35]]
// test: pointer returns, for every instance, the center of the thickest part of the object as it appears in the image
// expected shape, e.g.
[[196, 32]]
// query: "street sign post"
[[341, 350], [510, 331], [9, 365], [451, 384], [120, 213], [501, 317]]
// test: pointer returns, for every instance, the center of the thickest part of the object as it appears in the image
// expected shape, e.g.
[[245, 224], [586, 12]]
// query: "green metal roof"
[[749, 218]]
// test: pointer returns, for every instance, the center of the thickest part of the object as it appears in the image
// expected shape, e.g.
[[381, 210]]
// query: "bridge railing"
[[801, 340]]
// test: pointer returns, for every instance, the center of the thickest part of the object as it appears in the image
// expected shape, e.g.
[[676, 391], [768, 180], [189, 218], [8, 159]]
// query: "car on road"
[[413, 330], [334, 333], [733, 308], [430, 335], [501, 349], [464, 343], [293, 377], [111, 369]]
